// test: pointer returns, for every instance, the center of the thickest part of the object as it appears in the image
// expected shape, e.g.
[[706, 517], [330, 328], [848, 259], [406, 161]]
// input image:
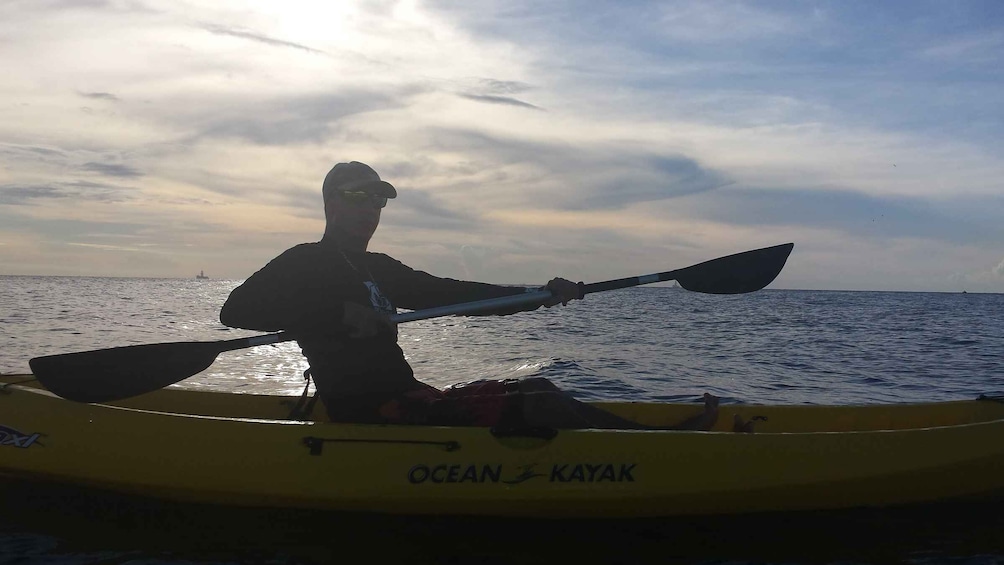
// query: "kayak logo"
[[525, 474], [14, 438], [559, 473]]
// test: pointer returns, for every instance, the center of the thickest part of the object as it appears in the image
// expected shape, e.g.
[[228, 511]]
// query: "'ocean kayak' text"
[[563, 473]]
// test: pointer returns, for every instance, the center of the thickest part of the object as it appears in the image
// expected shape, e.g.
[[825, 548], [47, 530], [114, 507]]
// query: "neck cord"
[[356, 269]]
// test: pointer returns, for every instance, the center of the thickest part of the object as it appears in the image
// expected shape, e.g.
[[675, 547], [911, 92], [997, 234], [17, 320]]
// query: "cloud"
[[420, 209], [100, 96], [120, 6], [76, 190], [89, 231], [291, 120], [654, 177], [999, 269], [496, 86], [566, 23], [260, 38], [111, 170], [424, 203], [496, 91], [15, 194], [505, 100], [982, 47], [754, 64], [571, 177], [19, 150], [724, 21], [960, 221], [105, 247]]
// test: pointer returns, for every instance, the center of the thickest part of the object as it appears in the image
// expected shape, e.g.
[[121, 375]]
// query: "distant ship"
[[201, 275]]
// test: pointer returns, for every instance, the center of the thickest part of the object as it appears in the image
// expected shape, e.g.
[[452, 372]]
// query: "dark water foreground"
[[65, 525]]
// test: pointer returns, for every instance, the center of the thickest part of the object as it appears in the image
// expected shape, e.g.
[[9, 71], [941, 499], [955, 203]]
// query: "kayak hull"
[[241, 450]]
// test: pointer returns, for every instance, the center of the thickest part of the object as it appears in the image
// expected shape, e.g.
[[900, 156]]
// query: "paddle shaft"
[[534, 297]]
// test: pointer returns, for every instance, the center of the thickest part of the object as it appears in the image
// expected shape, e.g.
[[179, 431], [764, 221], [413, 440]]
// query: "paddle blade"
[[735, 274], [112, 374]]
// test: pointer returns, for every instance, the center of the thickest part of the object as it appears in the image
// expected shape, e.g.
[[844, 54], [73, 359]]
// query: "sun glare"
[[314, 21]]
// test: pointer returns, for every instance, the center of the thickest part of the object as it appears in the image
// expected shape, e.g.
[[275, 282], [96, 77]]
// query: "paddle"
[[105, 375]]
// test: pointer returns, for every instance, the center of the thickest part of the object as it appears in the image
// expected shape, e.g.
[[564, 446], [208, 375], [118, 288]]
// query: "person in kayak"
[[337, 298]]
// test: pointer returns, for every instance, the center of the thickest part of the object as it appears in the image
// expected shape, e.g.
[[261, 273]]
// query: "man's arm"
[[416, 290], [286, 294]]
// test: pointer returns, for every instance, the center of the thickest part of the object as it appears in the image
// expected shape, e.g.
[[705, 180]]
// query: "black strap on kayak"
[[305, 406], [316, 444], [536, 432]]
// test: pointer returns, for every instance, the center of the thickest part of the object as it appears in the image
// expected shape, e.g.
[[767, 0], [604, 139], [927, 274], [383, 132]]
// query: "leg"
[[559, 410]]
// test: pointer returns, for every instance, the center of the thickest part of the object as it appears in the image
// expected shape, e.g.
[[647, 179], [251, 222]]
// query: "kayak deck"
[[242, 449], [766, 418]]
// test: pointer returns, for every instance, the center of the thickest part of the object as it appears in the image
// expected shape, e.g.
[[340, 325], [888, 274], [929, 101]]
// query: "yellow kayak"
[[243, 449]]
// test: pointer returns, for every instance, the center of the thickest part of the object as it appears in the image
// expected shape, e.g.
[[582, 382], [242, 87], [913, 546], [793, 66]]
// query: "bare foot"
[[739, 426], [705, 420]]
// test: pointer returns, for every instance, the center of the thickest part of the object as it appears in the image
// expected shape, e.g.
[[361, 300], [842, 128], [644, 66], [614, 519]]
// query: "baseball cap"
[[355, 176]]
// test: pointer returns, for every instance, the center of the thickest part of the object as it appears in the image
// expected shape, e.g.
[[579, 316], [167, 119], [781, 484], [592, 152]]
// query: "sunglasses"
[[358, 198]]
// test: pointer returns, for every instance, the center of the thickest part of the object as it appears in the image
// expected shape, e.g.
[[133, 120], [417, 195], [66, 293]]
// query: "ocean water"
[[647, 343]]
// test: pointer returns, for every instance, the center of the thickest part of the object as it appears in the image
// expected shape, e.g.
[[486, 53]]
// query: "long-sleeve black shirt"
[[304, 290]]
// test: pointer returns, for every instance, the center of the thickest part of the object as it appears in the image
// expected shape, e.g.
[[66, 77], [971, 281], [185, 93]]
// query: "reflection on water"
[[637, 344], [72, 526]]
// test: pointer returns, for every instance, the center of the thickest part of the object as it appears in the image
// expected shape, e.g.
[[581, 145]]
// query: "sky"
[[590, 140]]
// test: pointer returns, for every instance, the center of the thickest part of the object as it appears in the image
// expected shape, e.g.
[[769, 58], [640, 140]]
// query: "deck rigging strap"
[[305, 406], [316, 444]]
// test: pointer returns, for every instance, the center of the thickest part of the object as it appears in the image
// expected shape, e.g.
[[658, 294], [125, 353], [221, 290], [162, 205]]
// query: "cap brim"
[[378, 187]]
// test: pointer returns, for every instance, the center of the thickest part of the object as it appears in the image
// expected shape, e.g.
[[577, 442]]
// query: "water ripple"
[[639, 344]]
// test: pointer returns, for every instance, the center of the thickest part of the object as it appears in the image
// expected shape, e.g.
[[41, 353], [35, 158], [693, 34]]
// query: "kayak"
[[245, 450]]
